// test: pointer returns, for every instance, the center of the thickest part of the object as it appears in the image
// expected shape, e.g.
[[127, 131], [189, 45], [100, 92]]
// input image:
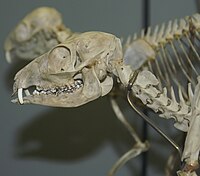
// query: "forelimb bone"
[[138, 148], [192, 142]]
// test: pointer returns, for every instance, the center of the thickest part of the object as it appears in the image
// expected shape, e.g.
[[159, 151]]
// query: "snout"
[[25, 78]]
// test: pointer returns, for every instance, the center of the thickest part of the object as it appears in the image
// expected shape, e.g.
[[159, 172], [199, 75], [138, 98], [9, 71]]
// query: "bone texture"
[[36, 34], [88, 58], [163, 57], [171, 54]]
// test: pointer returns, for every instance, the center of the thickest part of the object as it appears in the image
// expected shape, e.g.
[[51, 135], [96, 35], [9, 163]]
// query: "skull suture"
[[36, 34], [71, 74]]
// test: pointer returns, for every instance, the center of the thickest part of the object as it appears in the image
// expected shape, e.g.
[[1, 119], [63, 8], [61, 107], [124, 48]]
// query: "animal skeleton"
[[75, 69], [37, 33]]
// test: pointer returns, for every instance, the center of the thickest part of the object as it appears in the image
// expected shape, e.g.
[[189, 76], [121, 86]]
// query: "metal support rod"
[[146, 22], [147, 119], [153, 125]]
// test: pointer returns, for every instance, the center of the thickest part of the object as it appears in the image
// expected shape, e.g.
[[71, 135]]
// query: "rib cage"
[[174, 62], [175, 65], [177, 54]]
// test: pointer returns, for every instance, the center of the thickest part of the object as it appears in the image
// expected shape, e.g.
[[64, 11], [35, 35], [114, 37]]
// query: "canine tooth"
[[20, 96], [8, 57]]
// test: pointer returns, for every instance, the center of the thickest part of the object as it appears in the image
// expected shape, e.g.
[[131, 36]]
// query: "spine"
[[146, 89]]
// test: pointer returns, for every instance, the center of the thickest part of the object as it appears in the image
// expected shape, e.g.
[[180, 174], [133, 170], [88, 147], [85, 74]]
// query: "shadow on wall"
[[70, 134], [67, 134]]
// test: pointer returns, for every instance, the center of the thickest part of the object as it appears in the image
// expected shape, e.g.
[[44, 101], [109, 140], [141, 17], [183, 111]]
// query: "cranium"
[[72, 73], [37, 33]]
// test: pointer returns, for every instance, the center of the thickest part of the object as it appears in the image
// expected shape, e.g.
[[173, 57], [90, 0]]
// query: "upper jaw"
[[81, 90], [35, 93]]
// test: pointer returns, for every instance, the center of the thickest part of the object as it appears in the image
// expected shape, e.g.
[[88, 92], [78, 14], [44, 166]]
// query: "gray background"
[[43, 141]]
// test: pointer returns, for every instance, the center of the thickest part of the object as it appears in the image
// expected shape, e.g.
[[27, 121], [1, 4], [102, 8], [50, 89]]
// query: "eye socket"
[[22, 32], [58, 59], [59, 52]]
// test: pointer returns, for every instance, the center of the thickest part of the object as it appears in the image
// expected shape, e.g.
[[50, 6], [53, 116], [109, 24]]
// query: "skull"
[[71, 74], [36, 34]]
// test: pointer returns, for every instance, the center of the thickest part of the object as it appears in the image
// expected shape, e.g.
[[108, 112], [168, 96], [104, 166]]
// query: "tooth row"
[[57, 90]]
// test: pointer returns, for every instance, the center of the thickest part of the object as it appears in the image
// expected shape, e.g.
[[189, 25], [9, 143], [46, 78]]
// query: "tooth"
[[69, 91], [38, 88], [35, 92], [43, 92], [20, 96], [69, 87], [78, 82], [53, 90], [8, 57], [73, 85], [78, 86], [27, 92]]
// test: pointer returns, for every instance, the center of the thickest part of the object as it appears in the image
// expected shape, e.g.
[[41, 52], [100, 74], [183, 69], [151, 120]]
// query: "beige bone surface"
[[80, 70], [72, 73], [34, 35], [181, 38]]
